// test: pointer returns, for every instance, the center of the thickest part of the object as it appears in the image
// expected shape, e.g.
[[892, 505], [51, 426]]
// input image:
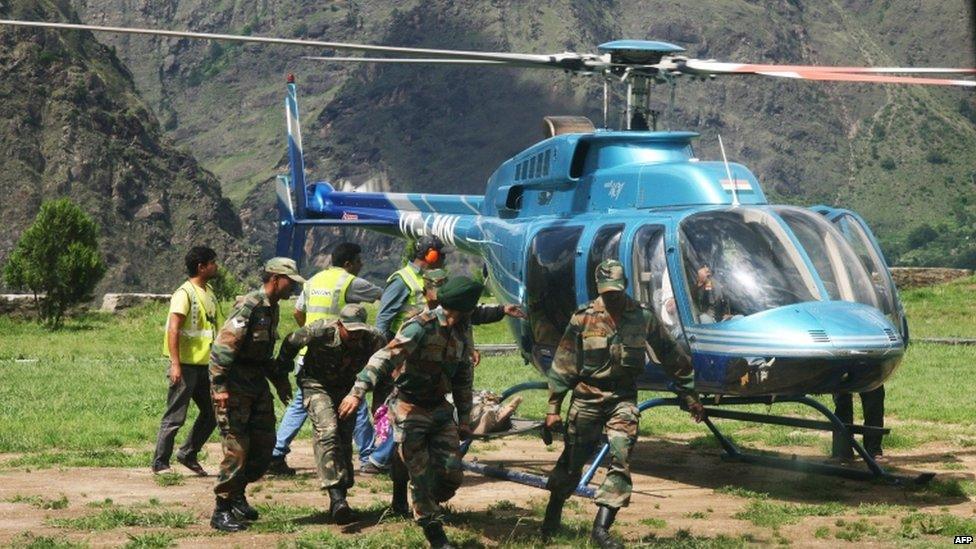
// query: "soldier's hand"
[[475, 358], [348, 406], [697, 411], [464, 431], [553, 421], [220, 399], [175, 373], [514, 311], [283, 388]]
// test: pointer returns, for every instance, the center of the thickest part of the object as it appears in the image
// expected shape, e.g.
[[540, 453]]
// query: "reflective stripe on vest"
[[198, 330], [326, 295], [413, 305]]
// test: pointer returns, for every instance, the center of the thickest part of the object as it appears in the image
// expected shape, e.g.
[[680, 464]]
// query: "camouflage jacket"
[[329, 361], [427, 360], [241, 355], [599, 360]]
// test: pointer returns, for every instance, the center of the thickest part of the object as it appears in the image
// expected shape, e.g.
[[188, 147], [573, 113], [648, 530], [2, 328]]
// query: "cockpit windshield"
[[740, 262], [841, 271]]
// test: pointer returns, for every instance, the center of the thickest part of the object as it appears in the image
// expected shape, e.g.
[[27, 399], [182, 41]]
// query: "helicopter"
[[808, 305]]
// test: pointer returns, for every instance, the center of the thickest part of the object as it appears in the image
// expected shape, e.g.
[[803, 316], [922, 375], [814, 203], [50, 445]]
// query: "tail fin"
[[291, 235]]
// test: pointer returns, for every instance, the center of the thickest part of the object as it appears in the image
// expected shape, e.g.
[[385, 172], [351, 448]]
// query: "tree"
[[226, 286], [57, 259]]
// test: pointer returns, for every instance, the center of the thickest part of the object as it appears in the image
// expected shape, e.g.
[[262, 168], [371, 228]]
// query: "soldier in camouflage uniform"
[[428, 358], [337, 350], [599, 359], [241, 362], [482, 314]]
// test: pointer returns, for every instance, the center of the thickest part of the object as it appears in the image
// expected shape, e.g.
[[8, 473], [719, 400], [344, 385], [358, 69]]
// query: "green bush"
[[226, 285], [57, 259]]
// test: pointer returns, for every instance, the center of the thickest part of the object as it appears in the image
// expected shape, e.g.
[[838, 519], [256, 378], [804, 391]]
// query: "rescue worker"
[[241, 360], [194, 317], [429, 358], [323, 296], [337, 349], [599, 359], [402, 299]]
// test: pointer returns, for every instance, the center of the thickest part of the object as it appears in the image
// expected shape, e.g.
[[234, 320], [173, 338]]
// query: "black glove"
[[283, 388]]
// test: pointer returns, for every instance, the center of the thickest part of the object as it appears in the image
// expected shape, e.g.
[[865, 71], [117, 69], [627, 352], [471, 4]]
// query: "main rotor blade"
[[482, 62], [568, 61], [871, 78], [716, 67]]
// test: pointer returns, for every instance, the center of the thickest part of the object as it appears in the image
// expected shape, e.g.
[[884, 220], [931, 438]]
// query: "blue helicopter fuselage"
[[759, 299]]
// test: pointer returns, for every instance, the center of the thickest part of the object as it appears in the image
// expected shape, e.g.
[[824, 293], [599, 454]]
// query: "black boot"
[[242, 510], [223, 519], [400, 478], [554, 513], [338, 507], [601, 528], [434, 532], [279, 467]]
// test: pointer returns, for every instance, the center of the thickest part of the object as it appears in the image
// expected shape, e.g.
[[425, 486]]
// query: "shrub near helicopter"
[[807, 305]]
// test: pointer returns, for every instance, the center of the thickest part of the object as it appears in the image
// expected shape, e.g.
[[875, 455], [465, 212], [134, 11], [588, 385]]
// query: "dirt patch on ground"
[[678, 492]]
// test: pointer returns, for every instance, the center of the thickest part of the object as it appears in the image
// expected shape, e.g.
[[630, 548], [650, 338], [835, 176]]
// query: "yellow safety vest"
[[415, 301], [325, 295], [199, 328]]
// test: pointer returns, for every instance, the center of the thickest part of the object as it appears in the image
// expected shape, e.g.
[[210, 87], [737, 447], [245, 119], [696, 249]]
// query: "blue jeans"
[[291, 423]]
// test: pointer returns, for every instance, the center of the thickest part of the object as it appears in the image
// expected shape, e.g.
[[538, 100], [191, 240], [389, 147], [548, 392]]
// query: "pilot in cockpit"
[[708, 297]]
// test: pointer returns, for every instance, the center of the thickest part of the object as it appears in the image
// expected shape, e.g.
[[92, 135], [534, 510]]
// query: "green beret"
[[460, 293]]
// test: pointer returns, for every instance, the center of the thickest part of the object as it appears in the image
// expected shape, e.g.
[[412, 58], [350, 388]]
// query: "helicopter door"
[[865, 245], [606, 245], [653, 289], [550, 285]]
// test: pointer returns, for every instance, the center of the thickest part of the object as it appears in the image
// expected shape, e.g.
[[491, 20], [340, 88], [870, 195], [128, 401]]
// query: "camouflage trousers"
[[430, 450], [247, 432], [332, 438], [586, 423]]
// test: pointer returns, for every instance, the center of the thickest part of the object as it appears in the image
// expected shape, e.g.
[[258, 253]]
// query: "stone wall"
[[916, 277], [113, 303]]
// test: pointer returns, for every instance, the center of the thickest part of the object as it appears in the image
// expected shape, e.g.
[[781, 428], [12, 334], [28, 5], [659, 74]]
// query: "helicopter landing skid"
[[732, 452]]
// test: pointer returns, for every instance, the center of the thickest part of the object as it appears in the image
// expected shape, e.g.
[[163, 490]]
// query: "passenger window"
[[531, 167], [550, 283], [545, 163], [518, 172], [606, 245]]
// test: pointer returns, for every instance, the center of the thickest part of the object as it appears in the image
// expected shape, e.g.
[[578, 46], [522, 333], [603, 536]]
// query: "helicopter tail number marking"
[[415, 224]]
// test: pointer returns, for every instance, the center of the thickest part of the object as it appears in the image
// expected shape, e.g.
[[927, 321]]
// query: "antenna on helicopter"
[[728, 172]]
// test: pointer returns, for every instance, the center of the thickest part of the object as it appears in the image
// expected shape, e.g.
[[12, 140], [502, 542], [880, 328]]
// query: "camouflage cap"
[[284, 266], [435, 277], [610, 277], [354, 317]]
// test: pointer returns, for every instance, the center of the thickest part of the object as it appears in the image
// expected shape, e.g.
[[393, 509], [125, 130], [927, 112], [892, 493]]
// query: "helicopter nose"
[[815, 347]]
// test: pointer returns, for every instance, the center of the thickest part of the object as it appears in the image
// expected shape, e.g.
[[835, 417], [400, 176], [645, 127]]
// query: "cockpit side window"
[[606, 245], [862, 245], [741, 262]]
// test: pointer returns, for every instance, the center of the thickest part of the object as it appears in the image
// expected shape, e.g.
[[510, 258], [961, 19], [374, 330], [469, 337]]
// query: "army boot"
[[223, 519], [601, 528], [338, 507], [434, 532], [554, 513], [242, 510], [400, 478]]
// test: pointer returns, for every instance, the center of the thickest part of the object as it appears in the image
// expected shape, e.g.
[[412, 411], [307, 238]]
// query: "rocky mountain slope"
[[72, 124], [902, 156]]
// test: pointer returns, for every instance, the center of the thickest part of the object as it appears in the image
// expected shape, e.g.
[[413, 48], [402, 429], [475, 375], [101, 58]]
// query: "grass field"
[[92, 394]]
